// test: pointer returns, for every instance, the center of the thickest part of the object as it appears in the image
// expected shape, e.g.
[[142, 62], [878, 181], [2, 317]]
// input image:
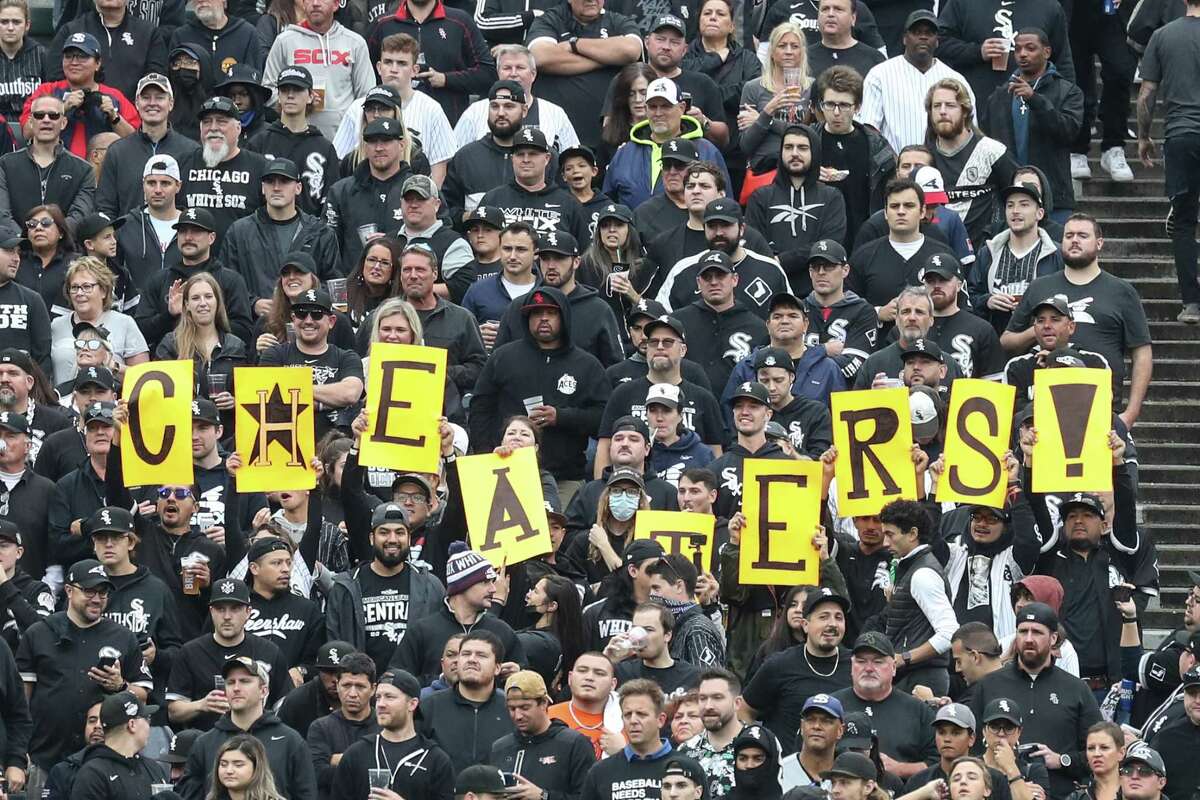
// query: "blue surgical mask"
[[622, 507]]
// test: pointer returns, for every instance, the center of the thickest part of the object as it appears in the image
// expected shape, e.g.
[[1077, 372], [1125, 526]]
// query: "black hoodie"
[[718, 340], [420, 769], [728, 469], [287, 754], [420, 651], [477, 168], [236, 43], [556, 760], [119, 191], [594, 325], [108, 775], [464, 728], [155, 321], [333, 734], [312, 154], [251, 249], [761, 782], [793, 218], [567, 377], [550, 208], [360, 206], [23, 601], [143, 603]]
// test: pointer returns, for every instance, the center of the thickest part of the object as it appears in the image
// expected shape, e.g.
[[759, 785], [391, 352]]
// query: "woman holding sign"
[[602, 550]]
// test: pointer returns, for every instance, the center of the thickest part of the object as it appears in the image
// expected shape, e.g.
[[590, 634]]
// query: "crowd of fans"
[[653, 240]]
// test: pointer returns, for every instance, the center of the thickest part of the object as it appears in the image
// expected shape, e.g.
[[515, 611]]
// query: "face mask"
[[185, 78], [622, 507]]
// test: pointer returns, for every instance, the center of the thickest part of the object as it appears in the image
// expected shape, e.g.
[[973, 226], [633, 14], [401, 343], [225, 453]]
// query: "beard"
[[953, 130], [504, 129], [389, 560], [214, 155], [7, 397], [1080, 261], [726, 246], [1032, 660]]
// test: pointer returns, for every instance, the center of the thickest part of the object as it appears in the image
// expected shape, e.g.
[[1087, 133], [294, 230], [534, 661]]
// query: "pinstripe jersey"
[[894, 99], [19, 76]]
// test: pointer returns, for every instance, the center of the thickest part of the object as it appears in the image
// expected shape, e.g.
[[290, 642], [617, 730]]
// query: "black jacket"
[[424, 774], [128, 51], [581, 511], [334, 734], [70, 185], [420, 651], [23, 601], [594, 326], [155, 321], [464, 729], [556, 760], [15, 721], [19, 76], [304, 705], [739, 68], [473, 170], [96, 780], [718, 340], [568, 378], [236, 43], [144, 604], [793, 219], [140, 250], [28, 502], [250, 249], [312, 154], [120, 189], [229, 354], [359, 206], [1055, 113], [286, 753], [728, 469], [79, 494]]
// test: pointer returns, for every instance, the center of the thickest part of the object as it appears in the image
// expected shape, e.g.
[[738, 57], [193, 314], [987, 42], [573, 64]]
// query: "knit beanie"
[[465, 568]]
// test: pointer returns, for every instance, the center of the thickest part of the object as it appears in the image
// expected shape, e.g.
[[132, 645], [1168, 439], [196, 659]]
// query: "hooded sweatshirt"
[[792, 217], [566, 377], [420, 651], [718, 340], [595, 326], [108, 775], [235, 43], [312, 154], [360, 206], [333, 734], [251, 248], [338, 61], [557, 759], [634, 174], [547, 209], [728, 469], [287, 754], [420, 769], [761, 782], [669, 461]]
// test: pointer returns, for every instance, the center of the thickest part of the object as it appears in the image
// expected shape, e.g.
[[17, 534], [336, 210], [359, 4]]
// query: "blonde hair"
[[390, 308], [103, 275], [961, 96], [187, 334], [359, 155], [772, 76]]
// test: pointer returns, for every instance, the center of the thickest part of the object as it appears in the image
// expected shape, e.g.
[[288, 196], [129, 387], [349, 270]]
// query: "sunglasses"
[[315, 314], [45, 222], [88, 344], [1138, 770], [179, 493], [53, 115]]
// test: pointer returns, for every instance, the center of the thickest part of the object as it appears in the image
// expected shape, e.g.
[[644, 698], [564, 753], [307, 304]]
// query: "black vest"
[[907, 625]]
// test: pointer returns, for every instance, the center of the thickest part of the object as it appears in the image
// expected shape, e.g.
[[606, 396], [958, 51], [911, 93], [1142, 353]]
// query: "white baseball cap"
[[162, 165], [664, 88]]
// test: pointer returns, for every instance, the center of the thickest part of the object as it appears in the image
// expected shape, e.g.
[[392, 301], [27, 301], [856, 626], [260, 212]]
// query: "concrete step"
[[1156, 246], [1174, 348], [1170, 512], [1176, 576], [1152, 491], [1184, 534], [1159, 619], [1131, 266], [1158, 288], [1173, 330], [1166, 433], [1124, 207], [1177, 391], [1171, 369], [1128, 226], [1163, 310], [1164, 413], [1154, 172], [1103, 186], [1176, 554]]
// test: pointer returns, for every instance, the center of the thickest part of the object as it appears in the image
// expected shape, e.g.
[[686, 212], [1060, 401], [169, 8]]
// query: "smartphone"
[[510, 780], [686, 99], [1120, 594], [1026, 750], [106, 662]]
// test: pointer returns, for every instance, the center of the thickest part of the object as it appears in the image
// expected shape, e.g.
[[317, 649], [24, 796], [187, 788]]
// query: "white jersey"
[[894, 99], [422, 116], [549, 118]]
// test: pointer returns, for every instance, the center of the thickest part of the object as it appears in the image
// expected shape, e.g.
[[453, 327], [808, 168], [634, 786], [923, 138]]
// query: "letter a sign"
[[872, 431], [274, 416], [506, 517], [405, 389], [158, 446], [782, 503]]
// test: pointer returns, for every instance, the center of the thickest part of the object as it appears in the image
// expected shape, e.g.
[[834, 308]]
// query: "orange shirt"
[[590, 725]]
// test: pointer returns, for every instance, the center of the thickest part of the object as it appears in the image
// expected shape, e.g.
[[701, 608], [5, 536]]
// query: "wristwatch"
[[907, 656], [1065, 760], [574, 42]]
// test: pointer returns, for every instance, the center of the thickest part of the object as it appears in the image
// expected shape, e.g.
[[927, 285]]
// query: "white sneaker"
[[1113, 162], [1079, 167]]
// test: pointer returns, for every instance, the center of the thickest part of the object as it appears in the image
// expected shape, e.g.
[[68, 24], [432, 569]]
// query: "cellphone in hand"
[[1120, 594], [510, 780]]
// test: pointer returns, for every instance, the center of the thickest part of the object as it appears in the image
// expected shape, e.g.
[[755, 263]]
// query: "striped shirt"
[[544, 115], [423, 117], [894, 99]]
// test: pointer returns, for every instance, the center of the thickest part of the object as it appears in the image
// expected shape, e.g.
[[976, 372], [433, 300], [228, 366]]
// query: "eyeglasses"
[[88, 344], [98, 591], [1138, 770], [44, 222], [409, 497], [47, 115], [378, 262], [82, 288], [179, 492], [631, 493], [315, 314], [840, 108], [1002, 727], [665, 344]]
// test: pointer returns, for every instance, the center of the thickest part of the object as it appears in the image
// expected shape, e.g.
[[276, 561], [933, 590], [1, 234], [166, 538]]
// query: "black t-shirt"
[[385, 612], [860, 57], [786, 680], [1108, 314], [904, 724], [200, 661], [851, 152], [330, 367], [971, 342], [231, 190], [292, 623], [673, 680], [700, 410]]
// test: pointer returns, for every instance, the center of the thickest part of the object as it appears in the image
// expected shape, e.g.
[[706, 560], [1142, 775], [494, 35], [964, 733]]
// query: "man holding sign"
[[751, 413]]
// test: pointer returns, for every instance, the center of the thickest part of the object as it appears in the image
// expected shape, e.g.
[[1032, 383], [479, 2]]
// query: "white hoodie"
[[339, 62]]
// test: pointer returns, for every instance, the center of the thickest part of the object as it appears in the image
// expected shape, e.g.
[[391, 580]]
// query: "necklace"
[[837, 657], [579, 723]]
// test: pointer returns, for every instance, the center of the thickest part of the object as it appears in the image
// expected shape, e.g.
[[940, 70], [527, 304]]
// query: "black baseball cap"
[[943, 264], [1058, 303], [1026, 189], [507, 90], [119, 708], [301, 261], [530, 138], [330, 654], [95, 376], [1005, 709], [923, 347], [265, 545], [219, 105], [824, 595], [921, 15], [640, 550], [876, 642], [92, 224], [1087, 500], [478, 779], [859, 731], [1063, 357], [752, 390], [714, 259], [558, 242], [852, 765], [18, 358], [723, 210], [682, 150], [669, 321], [491, 216], [10, 532], [11, 242], [1039, 613], [1145, 754], [110, 519], [827, 250], [383, 128], [205, 410], [1190, 678], [230, 590], [90, 573], [314, 298], [539, 299], [83, 42], [646, 308], [773, 357], [685, 767], [295, 76], [626, 474], [632, 423], [669, 21], [615, 211], [181, 746], [14, 422], [402, 680], [776, 431], [200, 218], [389, 514], [785, 299], [578, 151], [384, 95], [283, 167]]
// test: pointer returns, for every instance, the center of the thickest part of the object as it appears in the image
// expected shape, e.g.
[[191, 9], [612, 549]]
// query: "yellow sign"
[[158, 442], [872, 431], [1072, 411], [782, 503], [682, 532], [405, 389], [978, 430], [506, 515], [274, 437]]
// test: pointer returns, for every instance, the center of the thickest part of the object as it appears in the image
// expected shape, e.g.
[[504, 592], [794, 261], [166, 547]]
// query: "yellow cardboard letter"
[[680, 532], [782, 503], [1072, 411], [158, 447], [404, 404], [274, 413], [508, 523], [977, 436], [872, 431]]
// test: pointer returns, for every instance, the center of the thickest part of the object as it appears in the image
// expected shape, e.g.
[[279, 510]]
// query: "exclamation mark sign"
[[1073, 406]]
